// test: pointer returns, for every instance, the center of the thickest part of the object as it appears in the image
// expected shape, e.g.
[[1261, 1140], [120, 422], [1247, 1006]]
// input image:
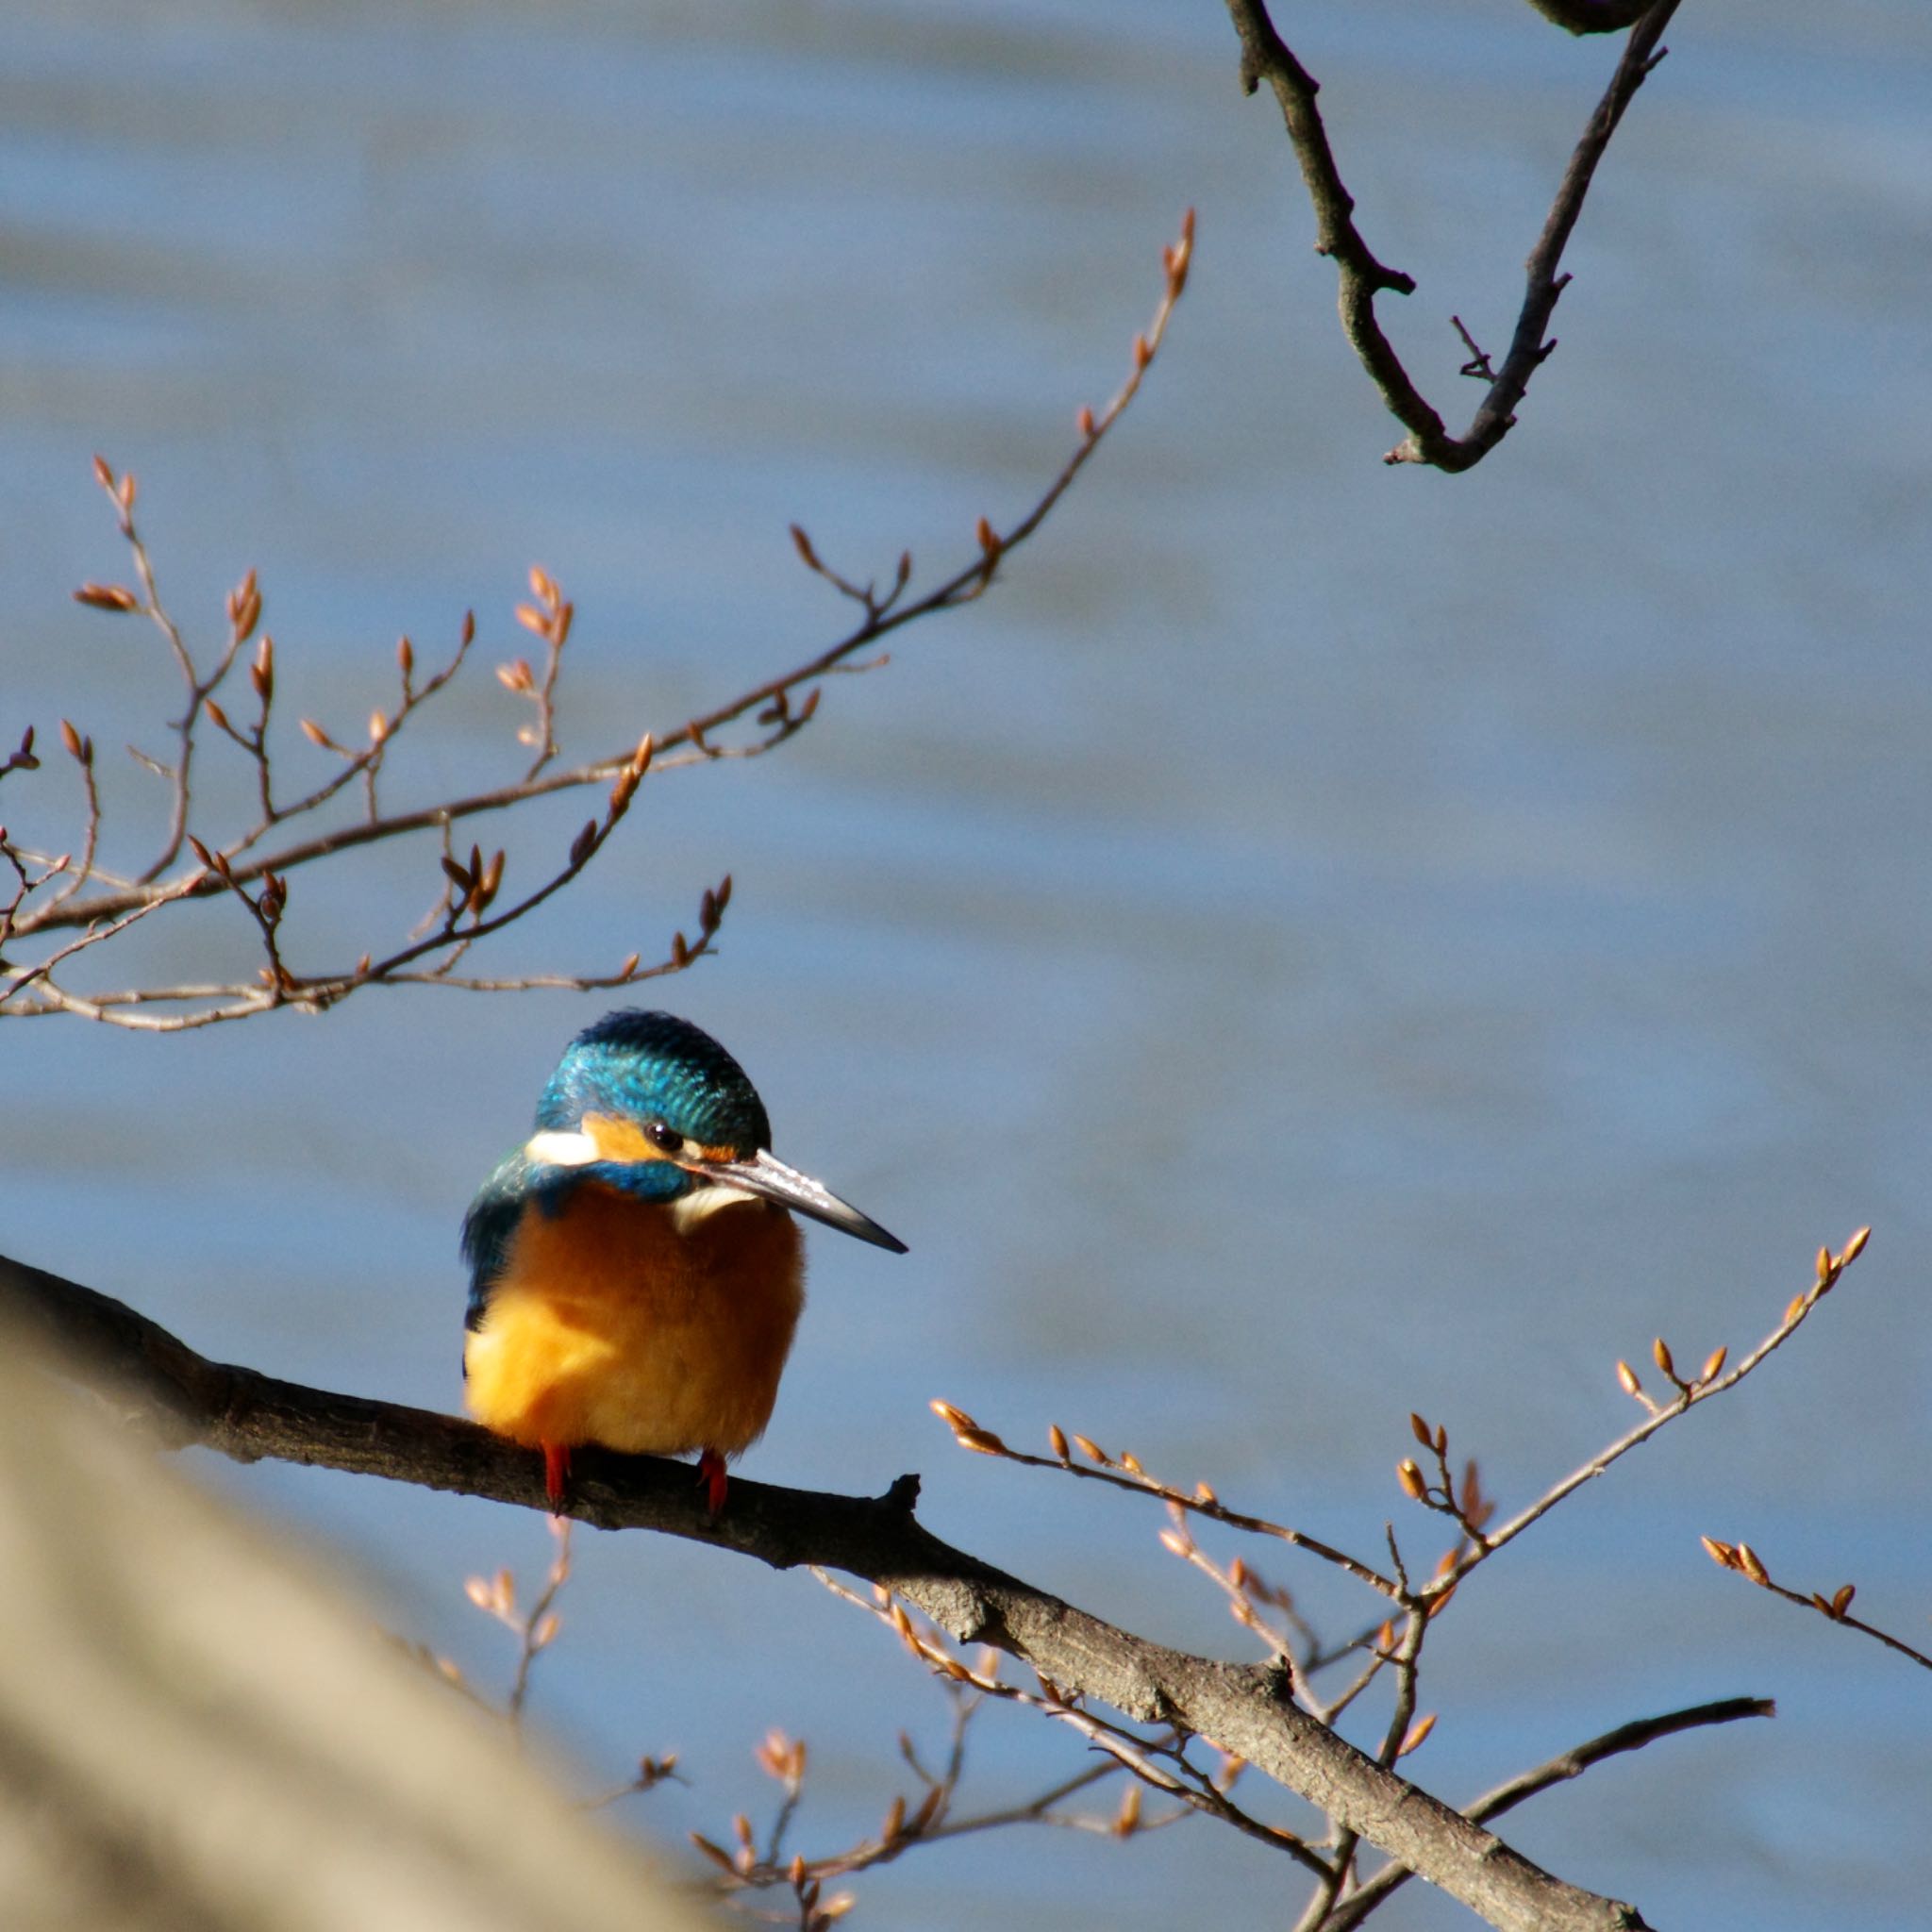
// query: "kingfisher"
[[634, 1271]]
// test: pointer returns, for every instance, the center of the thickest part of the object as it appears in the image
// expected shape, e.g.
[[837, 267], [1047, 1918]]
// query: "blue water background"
[[1315, 942]]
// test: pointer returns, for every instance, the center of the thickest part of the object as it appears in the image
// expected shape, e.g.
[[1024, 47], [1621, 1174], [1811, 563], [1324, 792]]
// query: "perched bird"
[[634, 1271]]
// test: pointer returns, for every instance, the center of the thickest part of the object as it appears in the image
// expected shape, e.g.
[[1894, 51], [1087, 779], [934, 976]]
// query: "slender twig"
[[1126, 1473], [1834, 1608], [81, 750], [540, 1626], [1691, 1391], [651, 1773]]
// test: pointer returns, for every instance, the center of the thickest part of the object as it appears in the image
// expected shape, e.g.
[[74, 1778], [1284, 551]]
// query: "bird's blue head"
[[650, 1103], [651, 1070]]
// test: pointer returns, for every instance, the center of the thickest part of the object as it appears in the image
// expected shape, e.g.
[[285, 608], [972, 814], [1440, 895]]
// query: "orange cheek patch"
[[616, 1140], [621, 1139]]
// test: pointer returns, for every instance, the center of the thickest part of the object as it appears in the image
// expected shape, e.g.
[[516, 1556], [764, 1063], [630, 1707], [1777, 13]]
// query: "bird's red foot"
[[712, 1479], [555, 1471]]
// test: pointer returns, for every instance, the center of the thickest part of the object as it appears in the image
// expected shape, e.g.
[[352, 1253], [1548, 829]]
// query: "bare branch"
[[1711, 1381], [1266, 57], [1126, 1473], [255, 865], [1834, 1608]]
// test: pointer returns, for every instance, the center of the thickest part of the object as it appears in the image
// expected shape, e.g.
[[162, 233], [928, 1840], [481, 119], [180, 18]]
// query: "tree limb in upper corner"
[[1244, 1709], [1265, 56]]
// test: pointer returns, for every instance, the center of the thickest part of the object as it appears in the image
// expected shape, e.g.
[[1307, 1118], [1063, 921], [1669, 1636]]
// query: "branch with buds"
[[1265, 56], [1835, 1608], [62, 907], [927, 1818], [1392, 1648]]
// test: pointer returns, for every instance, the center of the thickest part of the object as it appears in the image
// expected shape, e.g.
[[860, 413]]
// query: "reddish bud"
[[107, 598], [717, 1854], [1417, 1733]]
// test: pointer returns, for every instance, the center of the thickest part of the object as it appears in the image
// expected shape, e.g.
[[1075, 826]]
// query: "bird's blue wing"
[[488, 1227], [518, 1185]]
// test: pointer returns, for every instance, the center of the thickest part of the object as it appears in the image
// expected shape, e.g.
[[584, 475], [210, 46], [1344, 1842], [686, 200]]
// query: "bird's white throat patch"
[[556, 1148], [701, 1203]]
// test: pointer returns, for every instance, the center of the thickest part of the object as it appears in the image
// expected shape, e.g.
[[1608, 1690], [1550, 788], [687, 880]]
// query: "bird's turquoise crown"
[[641, 1066]]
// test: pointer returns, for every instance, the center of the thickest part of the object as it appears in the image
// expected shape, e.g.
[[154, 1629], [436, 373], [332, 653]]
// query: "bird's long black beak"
[[763, 1174]]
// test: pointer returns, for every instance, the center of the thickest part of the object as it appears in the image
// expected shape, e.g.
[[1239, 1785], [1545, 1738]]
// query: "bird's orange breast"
[[615, 1321]]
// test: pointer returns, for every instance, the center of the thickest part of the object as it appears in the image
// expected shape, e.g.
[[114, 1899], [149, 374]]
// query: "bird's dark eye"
[[665, 1139]]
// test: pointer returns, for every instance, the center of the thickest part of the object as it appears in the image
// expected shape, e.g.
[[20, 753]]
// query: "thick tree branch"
[[1244, 1710], [1361, 276]]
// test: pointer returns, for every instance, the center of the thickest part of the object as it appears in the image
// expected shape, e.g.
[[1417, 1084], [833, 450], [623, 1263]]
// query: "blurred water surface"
[[1315, 942]]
